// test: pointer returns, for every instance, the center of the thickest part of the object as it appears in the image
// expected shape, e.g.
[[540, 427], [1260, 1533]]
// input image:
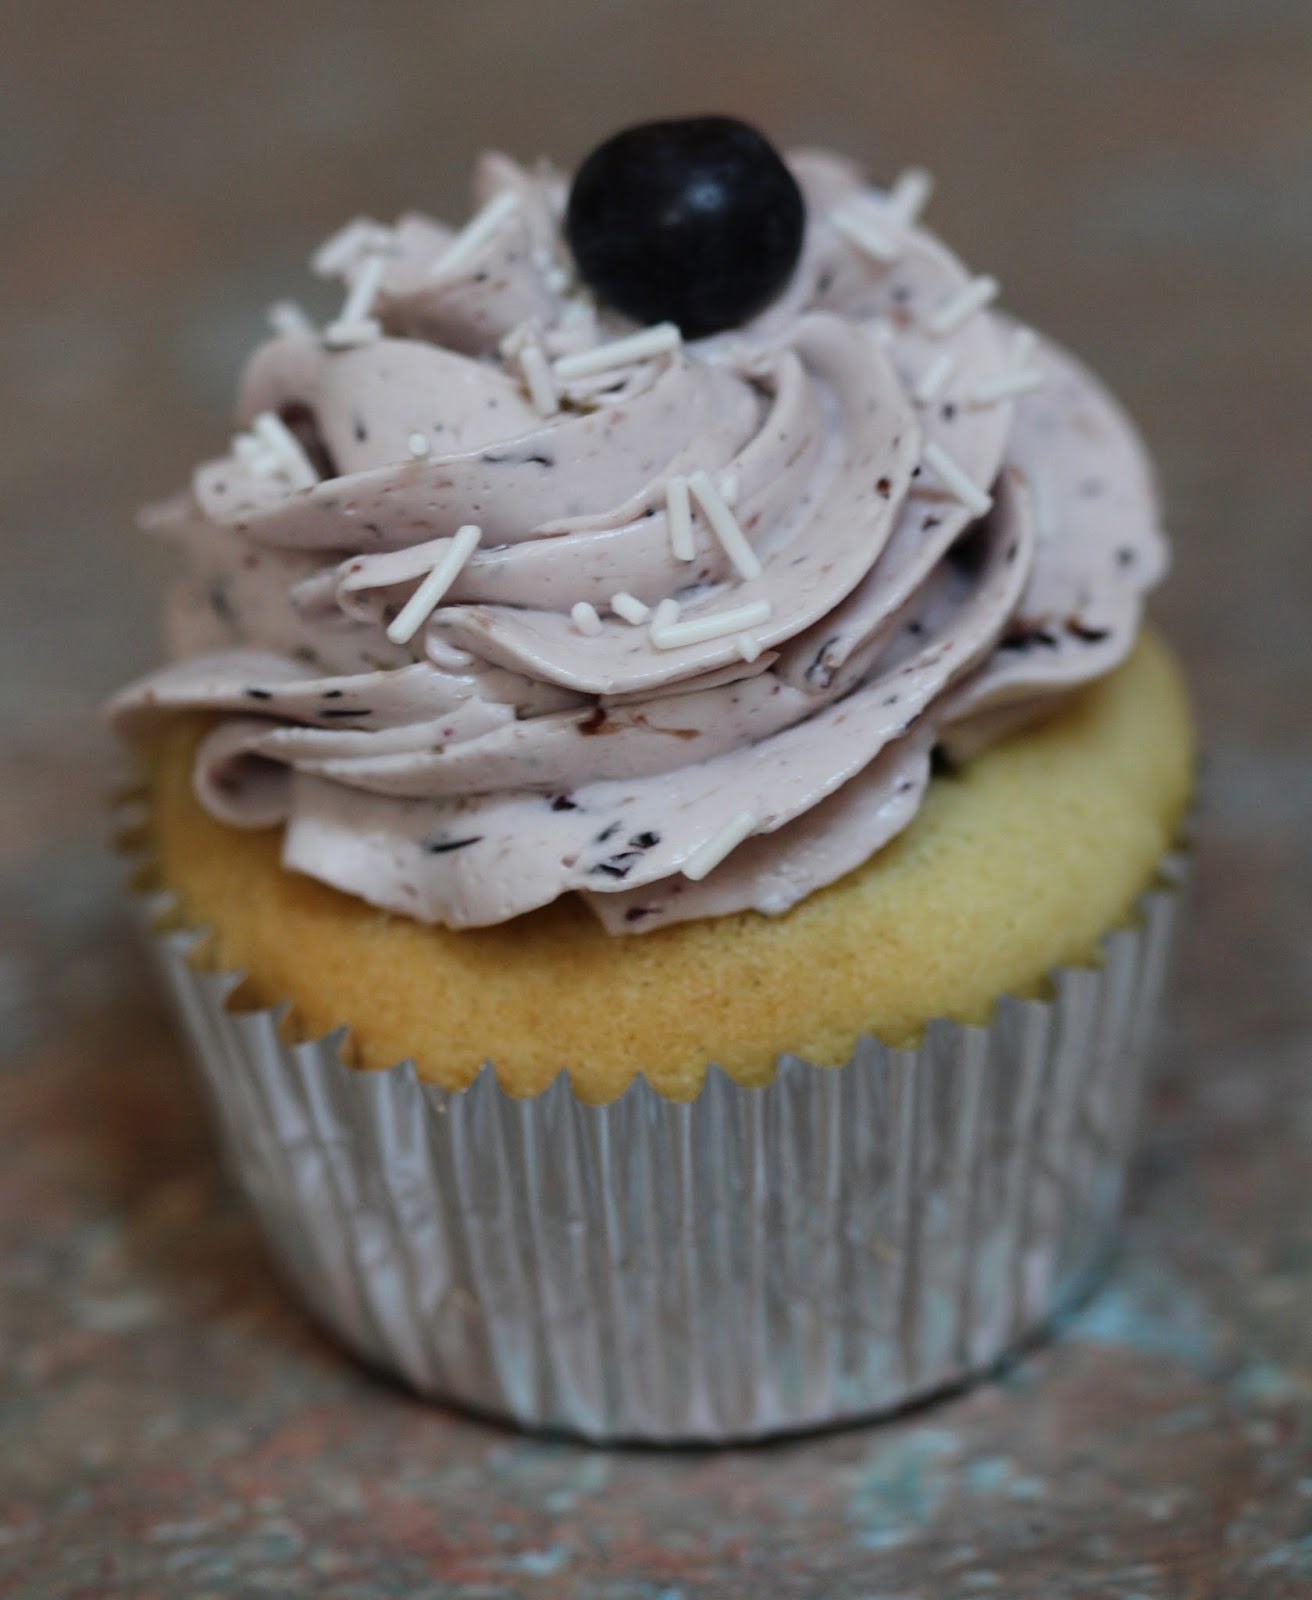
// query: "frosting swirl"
[[930, 524]]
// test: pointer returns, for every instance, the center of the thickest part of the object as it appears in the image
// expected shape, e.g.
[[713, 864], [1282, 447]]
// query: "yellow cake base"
[[1019, 863]]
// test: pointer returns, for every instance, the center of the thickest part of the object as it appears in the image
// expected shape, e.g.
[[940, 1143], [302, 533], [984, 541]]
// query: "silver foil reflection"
[[756, 1261]]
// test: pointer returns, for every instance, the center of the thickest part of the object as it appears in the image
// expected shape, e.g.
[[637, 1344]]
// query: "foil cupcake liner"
[[753, 1262]]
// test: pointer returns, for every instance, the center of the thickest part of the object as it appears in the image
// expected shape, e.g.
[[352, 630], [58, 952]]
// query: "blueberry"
[[695, 221]]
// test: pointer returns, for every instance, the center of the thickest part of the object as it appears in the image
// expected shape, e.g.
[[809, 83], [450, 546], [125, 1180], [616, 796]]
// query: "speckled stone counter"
[[1141, 179]]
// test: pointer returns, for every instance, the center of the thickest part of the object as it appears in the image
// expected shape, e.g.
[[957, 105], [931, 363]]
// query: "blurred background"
[[1140, 178]]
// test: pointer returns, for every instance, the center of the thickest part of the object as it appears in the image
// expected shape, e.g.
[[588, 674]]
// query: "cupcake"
[[662, 812]]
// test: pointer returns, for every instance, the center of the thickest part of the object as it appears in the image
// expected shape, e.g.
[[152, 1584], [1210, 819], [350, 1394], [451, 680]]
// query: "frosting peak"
[[725, 597]]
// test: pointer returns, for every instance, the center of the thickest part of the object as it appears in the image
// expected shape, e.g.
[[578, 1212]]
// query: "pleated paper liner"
[[752, 1262]]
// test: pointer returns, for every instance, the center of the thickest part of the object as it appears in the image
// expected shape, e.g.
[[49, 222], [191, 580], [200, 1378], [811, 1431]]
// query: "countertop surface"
[[1140, 177]]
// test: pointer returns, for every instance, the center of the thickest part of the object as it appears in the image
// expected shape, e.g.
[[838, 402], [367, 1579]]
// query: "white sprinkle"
[[877, 225], [678, 513], [520, 335], [962, 486], [729, 487], [585, 618], [658, 340], [630, 608], [1010, 386], [286, 317], [713, 625], [255, 455], [708, 855], [869, 235], [274, 433], [1045, 507], [1022, 351], [955, 313], [537, 375], [909, 196], [935, 378], [475, 234], [749, 647], [364, 288], [418, 445], [341, 335], [554, 274], [335, 254], [725, 527], [422, 603], [665, 615], [883, 332], [355, 325]]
